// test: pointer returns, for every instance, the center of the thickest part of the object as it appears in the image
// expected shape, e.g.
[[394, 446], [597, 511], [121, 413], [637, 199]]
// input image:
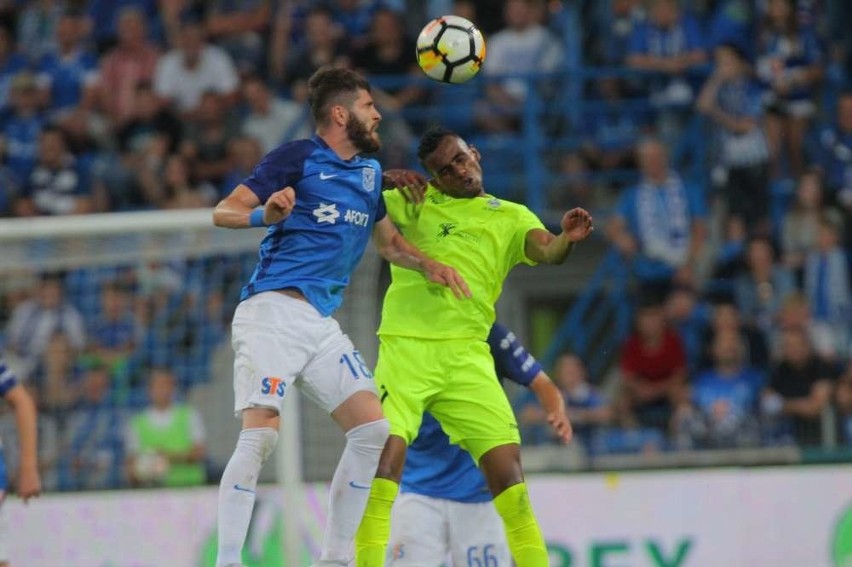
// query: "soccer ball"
[[450, 49]]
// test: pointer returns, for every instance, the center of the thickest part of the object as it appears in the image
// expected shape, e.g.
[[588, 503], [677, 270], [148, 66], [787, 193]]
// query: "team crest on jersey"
[[493, 203], [368, 178], [446, 229]]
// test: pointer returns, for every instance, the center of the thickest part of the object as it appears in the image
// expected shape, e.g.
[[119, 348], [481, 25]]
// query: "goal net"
[[156, 289]]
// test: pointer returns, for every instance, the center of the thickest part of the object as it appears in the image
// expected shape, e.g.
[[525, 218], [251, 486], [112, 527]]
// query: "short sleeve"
[[511, 359], [381, 208], [280, 168], [524, 223]]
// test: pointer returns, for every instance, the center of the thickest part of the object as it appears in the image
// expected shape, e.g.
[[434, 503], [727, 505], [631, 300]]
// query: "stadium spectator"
[[795, 313], [205, 142], [113, 332], [387, 53], [151, 132], [58, 184], [272, 120], [799, 391], [244, 153], [92, 447], [732, 22], [34, 322], [658, 225], [127, 66], [612, 127], [55, 378], [653, 370], [22, 128], [68, 77], [240, 28], [617, 28], [790, 65], [726, 318], [762, 286], [354, 18], [587, 409], [526, 45], [730, 252], [193, 68], [9, 191], [11, 64], [827, 283], [800, 224], [733, 101], [723, 406], [105, 16], [36, 28], [323, 46], [687, 314], [836, 152], [166, 431], [173, 187], [669, 43]]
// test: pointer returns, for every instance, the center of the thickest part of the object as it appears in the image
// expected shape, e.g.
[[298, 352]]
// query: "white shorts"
[[430, 532], [280, 341]]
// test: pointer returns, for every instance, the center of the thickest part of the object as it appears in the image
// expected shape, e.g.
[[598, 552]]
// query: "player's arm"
[[29, 483], [553, 403], [544, 247], [239, 209], [394, 248], [514, 362]]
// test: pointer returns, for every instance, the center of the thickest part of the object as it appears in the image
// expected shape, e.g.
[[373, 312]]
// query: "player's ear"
[[475, 153], [339, 114]]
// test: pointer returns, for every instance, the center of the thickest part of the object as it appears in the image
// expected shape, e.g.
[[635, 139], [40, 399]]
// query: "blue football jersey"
[[436, 468], [317, 247]]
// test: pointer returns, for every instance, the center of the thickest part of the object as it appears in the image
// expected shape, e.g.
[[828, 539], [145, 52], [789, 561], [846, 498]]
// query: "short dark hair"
[[431, 139], [329, 85]]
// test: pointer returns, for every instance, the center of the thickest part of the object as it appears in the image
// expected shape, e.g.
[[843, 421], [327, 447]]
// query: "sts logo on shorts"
[[270, 385]]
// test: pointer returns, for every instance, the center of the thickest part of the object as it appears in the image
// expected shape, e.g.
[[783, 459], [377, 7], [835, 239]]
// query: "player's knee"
[[258, 441], [370, 436]]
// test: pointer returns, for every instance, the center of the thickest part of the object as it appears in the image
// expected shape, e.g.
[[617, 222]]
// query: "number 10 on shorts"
[[354, 363]]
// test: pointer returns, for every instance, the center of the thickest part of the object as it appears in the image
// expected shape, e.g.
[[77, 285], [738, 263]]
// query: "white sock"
[[237, 491], [350, 489]]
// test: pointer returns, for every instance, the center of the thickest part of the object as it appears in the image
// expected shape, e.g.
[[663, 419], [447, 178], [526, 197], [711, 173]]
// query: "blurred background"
[[702, 336]]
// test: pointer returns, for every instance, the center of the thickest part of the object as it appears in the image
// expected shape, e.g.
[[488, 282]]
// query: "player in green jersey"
[[433, 354]]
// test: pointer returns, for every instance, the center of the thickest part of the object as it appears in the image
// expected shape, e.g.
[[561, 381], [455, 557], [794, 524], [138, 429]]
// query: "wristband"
[[256, 218]]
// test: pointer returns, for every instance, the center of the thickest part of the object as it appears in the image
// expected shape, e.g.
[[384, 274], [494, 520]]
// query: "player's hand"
[[445, 275], [561, 425], [279, 206], [577, 224], [29, 483], [410, 183]]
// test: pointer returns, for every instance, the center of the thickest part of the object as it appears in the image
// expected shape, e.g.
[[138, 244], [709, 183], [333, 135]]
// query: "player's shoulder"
[[295, 150]]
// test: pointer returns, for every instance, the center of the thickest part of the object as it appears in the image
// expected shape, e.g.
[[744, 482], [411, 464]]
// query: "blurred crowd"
[[713, 139]]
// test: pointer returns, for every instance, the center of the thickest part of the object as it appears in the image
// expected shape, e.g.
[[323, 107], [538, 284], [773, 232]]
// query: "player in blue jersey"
[[28, 480], [321, 203], [445, 509]]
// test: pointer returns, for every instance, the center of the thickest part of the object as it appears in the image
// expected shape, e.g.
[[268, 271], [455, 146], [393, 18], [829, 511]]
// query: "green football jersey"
[[482, 238]]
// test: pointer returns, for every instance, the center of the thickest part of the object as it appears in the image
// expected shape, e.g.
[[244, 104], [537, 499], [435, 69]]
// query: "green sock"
[[525, 540], [373, 534]]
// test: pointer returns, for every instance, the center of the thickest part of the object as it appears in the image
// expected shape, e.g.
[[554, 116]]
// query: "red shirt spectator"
[[655, 363]]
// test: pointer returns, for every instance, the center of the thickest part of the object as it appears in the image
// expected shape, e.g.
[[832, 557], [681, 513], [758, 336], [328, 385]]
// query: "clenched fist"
[[279, 206]]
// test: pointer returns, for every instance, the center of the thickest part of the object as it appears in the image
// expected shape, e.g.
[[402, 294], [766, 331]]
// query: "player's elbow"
[[219, 214]]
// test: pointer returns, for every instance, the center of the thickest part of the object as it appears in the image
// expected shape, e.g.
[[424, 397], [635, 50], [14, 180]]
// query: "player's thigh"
[[419, 536], [477, 536], [337, 370], [473, 409], [272, 340], [409, 372]]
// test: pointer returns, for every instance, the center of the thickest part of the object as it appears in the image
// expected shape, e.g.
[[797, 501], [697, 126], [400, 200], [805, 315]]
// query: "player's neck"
[[339, 143]]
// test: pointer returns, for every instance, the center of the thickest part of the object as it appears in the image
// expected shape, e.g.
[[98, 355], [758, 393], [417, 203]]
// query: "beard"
[[360, 137]]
